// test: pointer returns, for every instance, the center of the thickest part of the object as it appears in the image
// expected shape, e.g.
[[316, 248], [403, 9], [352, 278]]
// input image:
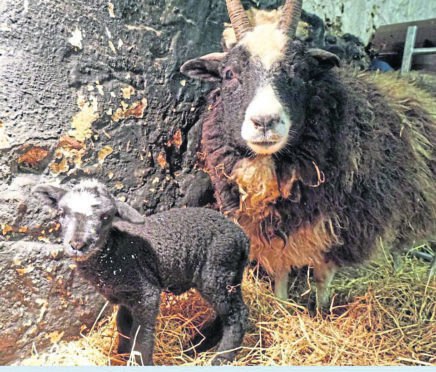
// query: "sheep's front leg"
[[144, 312], [281, 285], [324, 275], [432, 271]]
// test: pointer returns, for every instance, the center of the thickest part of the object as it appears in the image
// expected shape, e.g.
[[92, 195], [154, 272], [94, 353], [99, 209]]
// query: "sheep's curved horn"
[[238, 17], [290, 17]]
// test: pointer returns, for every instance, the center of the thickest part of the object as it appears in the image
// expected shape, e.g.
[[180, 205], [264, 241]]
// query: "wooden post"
[[408, 49]]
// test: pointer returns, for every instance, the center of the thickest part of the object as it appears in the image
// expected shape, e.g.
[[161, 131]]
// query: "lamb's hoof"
[[208, 337], [190, 352], [221, 361], [123, 357], [124, 347]]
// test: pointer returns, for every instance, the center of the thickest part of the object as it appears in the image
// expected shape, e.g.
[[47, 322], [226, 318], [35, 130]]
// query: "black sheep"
[[317, 164], [130, 261]]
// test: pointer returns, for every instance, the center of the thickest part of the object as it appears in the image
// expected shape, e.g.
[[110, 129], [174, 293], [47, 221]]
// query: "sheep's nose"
[[78, 246], [265, 122]]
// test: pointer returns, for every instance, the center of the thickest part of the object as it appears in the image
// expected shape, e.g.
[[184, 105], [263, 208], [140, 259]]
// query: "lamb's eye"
[[229, 75], [105, 217]]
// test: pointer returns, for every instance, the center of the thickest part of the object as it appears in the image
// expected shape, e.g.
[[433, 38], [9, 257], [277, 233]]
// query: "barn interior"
[[93, 89]]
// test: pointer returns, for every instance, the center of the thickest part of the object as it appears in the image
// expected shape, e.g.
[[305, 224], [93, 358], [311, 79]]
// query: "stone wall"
[[90, 89]]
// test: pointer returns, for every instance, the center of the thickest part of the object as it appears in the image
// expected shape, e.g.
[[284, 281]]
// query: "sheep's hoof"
[[316, 308], [322, 299], [397, 261], [432, 271]]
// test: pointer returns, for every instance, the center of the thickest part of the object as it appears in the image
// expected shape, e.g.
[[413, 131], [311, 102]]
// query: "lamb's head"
[[86, 215], [265, 79]]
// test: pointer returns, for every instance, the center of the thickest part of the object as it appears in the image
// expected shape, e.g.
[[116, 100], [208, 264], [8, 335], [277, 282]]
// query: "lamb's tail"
[[208, 337]]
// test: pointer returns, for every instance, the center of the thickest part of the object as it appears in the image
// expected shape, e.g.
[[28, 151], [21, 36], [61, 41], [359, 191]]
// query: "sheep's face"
[[86, 215], [86, 220], [264, 87]]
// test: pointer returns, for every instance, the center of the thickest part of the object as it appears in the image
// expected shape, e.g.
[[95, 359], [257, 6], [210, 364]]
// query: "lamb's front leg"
[[144, 311], [124, 325]]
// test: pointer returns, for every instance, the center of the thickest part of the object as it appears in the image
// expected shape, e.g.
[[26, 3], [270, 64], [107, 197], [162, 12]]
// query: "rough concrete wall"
[[360, 17], [91, 88], [42, 299]]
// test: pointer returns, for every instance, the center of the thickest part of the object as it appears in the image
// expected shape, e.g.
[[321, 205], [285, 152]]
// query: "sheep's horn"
[[290, 17], [238, 17]]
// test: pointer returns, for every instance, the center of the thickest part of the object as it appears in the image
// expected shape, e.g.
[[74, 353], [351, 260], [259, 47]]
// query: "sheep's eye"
[[229, 75], [61, 213], [105, 217]]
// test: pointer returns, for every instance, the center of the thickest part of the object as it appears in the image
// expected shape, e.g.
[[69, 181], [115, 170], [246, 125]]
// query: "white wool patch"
[[266, 43], [265, 103], [80, 202], [89, 183]]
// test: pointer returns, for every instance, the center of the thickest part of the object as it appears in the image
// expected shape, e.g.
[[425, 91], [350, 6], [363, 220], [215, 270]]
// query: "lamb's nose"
[[265, 122], [78, 246]]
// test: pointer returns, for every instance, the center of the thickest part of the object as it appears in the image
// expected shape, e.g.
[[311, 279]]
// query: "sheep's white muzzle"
[[266, 124]]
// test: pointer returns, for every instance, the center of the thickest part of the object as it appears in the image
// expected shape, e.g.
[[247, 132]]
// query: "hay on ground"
[[379, 316]]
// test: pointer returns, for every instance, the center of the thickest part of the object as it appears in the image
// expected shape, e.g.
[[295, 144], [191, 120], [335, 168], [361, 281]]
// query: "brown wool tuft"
[[273, 249]]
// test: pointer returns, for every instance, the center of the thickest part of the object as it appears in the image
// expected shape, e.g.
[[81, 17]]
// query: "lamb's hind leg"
[[222, 289], [230, 307], [324, 274]]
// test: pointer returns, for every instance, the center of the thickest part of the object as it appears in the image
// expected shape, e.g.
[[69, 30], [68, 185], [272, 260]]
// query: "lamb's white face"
[[86, 215], [85, 223], [80, 203]]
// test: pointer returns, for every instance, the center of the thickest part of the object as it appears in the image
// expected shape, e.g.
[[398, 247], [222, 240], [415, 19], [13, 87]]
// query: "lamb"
[[318, 164], [131, 260]]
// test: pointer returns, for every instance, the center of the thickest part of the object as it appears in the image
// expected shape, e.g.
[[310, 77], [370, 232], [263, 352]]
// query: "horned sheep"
[[318, 164], [131, 260]]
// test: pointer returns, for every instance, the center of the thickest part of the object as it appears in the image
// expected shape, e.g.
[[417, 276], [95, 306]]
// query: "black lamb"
[[131, 260]]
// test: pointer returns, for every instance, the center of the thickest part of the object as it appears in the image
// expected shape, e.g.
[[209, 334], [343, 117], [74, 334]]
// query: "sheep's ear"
[[325, 59], [127, 213], [49, 193], [205, 68]]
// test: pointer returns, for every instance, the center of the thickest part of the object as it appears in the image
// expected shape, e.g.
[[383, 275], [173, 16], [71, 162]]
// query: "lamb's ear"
[[127, 213], [205, 68], [325, 59], [50, 194]]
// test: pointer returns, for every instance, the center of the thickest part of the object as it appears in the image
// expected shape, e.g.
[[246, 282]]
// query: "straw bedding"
[[380, 315]]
